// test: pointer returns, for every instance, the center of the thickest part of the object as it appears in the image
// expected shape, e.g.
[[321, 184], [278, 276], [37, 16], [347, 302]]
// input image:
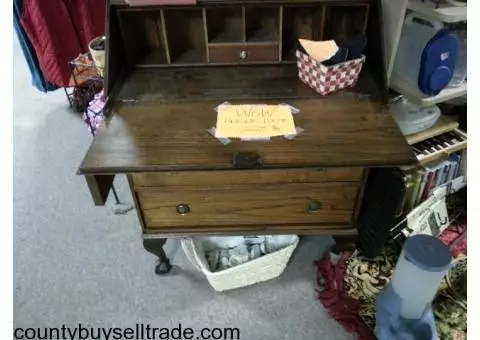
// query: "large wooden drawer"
[[247, 204], [222, 201]]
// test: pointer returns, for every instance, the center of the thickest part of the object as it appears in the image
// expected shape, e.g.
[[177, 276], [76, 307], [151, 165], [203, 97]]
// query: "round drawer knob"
[[183, 209], [243, 55], [314, 206]]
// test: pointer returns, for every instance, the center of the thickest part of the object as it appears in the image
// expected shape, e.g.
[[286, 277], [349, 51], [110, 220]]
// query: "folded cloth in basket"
[[226, 252]]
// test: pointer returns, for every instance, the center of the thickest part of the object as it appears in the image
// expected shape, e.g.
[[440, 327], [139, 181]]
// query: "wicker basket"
[[261, 269]]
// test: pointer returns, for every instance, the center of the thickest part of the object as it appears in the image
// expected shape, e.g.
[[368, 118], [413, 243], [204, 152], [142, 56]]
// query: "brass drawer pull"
[[243, 55], [183, 209], [314, 206]]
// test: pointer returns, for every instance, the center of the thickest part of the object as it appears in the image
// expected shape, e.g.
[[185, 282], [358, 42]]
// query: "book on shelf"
[[444, 175], [422, 181], [409, 180], [412, 200], [430, 184], [447, 173], [456, 158], [463, 165]]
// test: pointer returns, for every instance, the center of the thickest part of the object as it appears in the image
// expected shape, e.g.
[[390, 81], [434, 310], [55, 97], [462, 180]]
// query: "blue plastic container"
[[426, 54]]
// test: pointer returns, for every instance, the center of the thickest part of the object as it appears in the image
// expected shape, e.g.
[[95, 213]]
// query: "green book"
[[417, 181], [409, 186], [423, 183]]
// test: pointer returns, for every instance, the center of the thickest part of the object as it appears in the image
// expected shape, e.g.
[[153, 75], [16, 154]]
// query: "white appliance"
[[412, 118]]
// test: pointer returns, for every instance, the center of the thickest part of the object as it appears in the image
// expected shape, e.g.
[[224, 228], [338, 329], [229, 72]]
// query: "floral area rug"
[[348, 285]]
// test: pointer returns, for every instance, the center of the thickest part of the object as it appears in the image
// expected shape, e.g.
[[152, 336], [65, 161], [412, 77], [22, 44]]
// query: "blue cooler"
[[426, 55], [438, 61]]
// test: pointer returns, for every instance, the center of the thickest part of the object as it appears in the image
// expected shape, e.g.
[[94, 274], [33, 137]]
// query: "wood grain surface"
[[249, 204], [99, 186], [226, 83], [219, 178], [338, 132], [265, 229]]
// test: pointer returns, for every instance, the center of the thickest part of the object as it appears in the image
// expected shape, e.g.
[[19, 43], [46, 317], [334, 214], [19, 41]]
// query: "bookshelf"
[[439, 168], [439, 162]]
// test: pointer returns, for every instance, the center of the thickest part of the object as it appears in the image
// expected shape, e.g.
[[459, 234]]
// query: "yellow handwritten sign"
[[243, 121]]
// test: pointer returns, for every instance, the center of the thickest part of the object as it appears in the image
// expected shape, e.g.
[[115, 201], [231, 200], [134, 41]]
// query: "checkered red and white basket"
[[328, 79]]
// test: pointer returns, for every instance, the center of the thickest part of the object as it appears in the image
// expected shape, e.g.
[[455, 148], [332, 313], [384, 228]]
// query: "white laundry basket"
[[261, 269]]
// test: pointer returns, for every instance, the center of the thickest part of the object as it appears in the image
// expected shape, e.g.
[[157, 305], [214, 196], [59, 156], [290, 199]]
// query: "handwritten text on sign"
[[241, 121]]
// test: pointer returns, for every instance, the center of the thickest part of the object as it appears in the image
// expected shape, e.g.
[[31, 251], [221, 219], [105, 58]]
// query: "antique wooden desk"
[[167, 68]]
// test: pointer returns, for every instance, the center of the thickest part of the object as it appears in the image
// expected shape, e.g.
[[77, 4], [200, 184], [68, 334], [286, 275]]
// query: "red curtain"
[[59, 30]]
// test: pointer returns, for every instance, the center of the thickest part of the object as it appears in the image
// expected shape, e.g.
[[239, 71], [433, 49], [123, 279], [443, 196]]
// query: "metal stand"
[[117, 201], [85, 81], [120, 208]]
